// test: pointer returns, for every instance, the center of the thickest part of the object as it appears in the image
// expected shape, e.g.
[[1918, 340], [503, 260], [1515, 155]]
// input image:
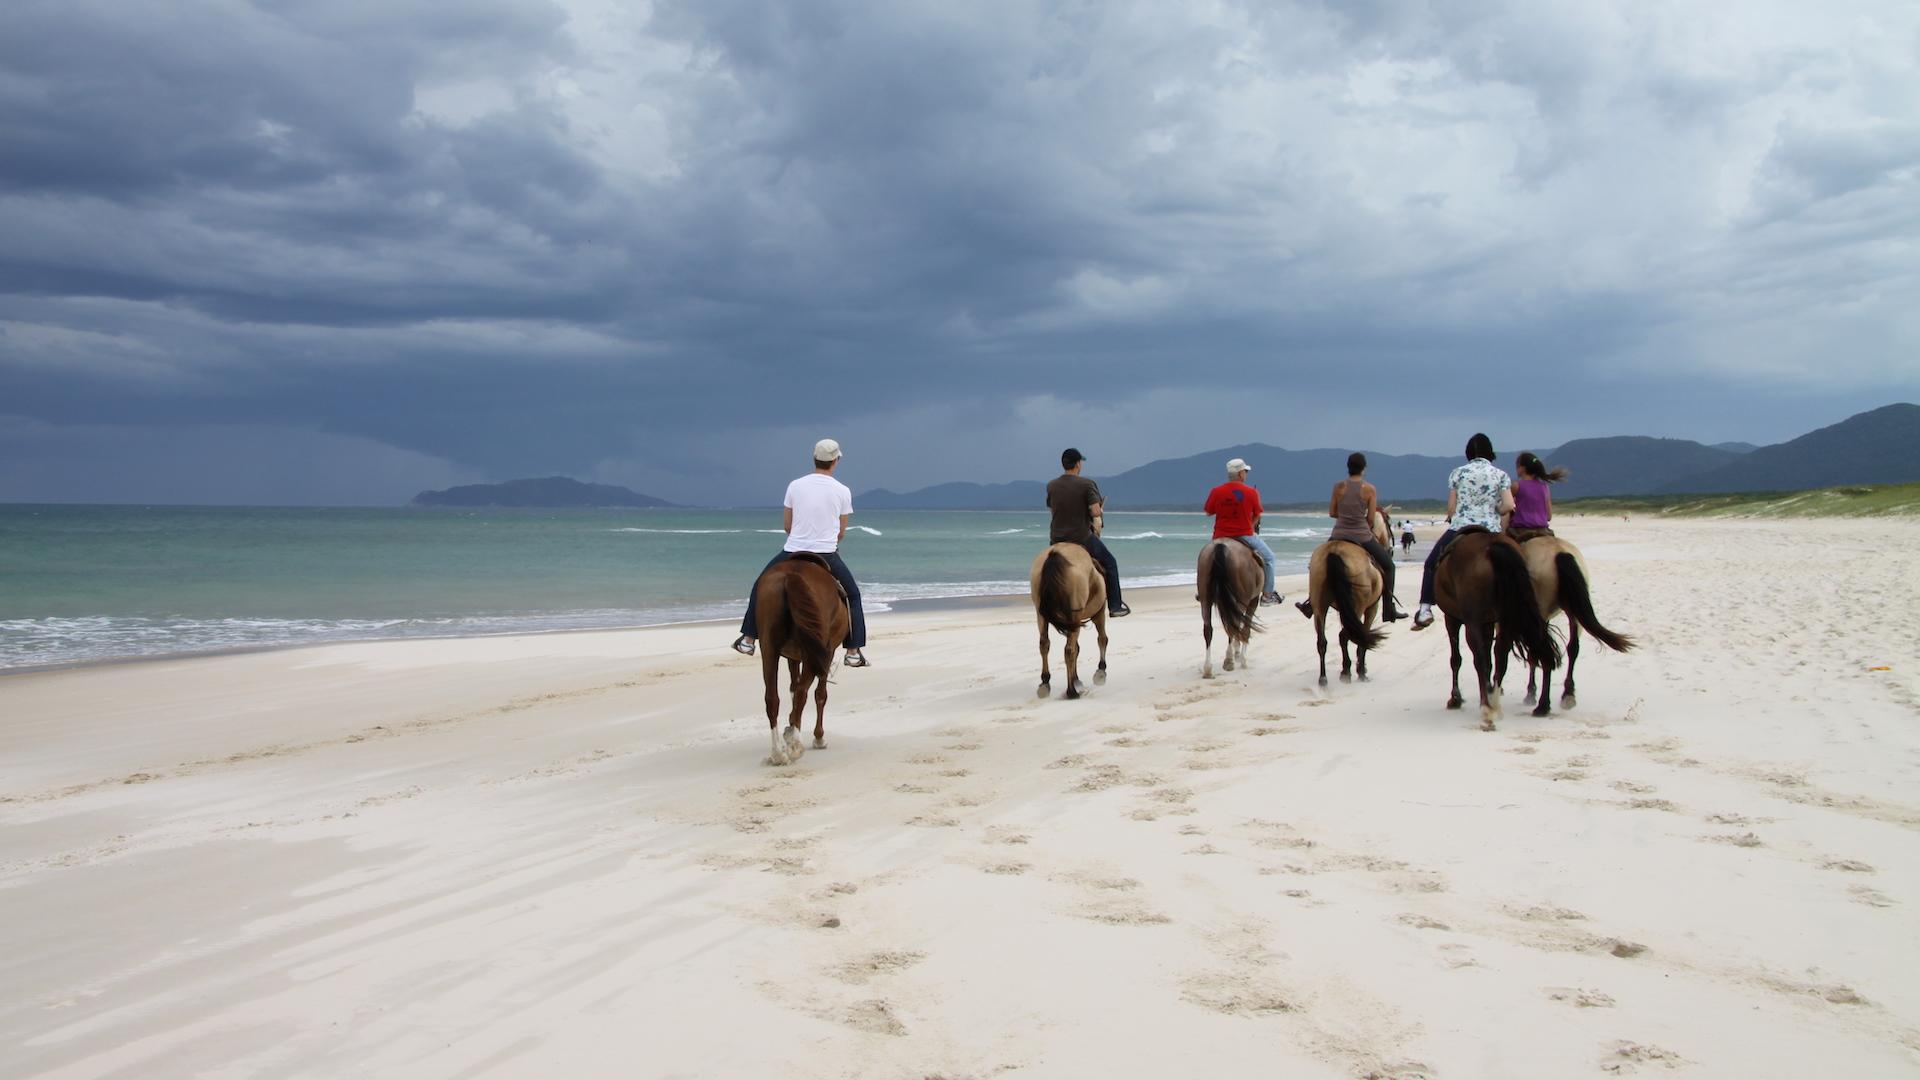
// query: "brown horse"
[[1482, 583], [1068, 592], [1559, 574], [1343, 576], [801, 616], [1228, 577]]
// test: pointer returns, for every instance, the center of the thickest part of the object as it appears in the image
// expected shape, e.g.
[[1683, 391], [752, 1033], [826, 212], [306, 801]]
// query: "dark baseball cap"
[[1071, 457]]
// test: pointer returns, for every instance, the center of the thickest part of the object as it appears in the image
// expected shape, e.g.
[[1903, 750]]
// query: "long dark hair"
[[1480, 447], [1529, 464]]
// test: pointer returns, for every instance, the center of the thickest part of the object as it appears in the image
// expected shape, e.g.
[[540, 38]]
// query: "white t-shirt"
[[817, 501]]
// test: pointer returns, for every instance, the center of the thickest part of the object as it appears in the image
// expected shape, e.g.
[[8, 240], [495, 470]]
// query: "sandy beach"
[[562, 855]]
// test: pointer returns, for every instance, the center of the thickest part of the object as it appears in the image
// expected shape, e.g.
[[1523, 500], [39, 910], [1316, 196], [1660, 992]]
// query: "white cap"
[[826, 450], [1237, 466]]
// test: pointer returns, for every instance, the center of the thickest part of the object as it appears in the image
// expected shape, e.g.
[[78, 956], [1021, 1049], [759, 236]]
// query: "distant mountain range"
[[1877, 447], [550, 492]]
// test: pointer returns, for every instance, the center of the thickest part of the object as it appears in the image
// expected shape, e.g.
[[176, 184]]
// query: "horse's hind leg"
[[1320, 643], [1453, 641], [1206, 637], [1573, 653], [820, 716], [1046, 676], [1531, 668], [1100, 639], [770, 674], [1346, 661], [1480, 640], [1072, 651], [792, 735]]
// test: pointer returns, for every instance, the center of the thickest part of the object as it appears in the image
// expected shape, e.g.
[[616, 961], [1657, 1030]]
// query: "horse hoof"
[[1486, 725], [1454, 703], [1207, 674], [1226, 665], [1364, 677], [1566, 702], [1528, 700], [1100, 677], [1071, 695], [1346, 676], [1543, 710], [1323, 680], [1044, 691], [819, 743]]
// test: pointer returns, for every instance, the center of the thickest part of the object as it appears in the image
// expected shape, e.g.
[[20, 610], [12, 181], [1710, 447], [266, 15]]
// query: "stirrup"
[[743, 645], [855, 658]]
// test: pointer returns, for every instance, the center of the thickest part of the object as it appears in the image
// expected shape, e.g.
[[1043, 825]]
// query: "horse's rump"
[[1515, 606], [1338, 589], [805, 593], [1236, 613], [1053, 592]]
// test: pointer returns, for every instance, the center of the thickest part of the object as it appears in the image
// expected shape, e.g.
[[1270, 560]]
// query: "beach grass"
[[1854, 500]]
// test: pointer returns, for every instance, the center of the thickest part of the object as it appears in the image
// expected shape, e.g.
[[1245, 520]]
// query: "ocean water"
[[88, 583]]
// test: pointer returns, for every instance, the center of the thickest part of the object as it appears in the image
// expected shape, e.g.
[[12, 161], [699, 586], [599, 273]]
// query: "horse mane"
[[1340, 590], [811, 613], [1515, 608], [1054, 604], [1236, 616]]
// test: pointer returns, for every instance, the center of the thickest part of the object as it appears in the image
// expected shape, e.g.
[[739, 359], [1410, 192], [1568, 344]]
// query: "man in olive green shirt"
[[1076, 502]]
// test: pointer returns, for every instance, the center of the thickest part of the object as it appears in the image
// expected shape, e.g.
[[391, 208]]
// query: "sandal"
[[743, 645], [855, 658]]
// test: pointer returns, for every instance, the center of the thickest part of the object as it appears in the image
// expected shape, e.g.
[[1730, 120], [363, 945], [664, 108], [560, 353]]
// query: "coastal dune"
[[562, 854]]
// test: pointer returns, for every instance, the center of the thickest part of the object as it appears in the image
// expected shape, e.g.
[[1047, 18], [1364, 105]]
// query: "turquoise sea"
[[88, 583]]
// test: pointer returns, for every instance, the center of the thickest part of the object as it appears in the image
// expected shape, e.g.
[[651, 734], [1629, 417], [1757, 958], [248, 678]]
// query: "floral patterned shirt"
[[1478, 485]]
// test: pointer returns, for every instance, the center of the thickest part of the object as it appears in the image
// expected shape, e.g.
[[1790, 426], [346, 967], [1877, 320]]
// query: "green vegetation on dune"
[[1862, 500]]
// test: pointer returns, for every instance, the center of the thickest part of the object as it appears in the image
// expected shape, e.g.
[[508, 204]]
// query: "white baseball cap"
[[1237, 465], [826, 450]]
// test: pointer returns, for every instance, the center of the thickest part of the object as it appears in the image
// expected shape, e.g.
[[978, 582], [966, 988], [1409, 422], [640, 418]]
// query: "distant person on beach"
[[1076, 503], [815, 520], [1406, 536], [1478, 493], [1352, 508], [1235, 506], [1532, 500]]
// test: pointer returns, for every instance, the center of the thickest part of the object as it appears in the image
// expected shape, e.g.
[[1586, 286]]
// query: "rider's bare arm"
[[843, 526], [786, 521], [1453, 503], [1506, 509], [1333, 504]]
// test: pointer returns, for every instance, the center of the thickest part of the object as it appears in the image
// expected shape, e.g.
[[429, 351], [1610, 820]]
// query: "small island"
[[548, 493]]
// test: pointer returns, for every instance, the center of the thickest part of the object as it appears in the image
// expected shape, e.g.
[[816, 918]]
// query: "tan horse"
[[1068, 592], [1482, 583], [1559, 574], [801, 616], [1228, 577], [1342, 576]]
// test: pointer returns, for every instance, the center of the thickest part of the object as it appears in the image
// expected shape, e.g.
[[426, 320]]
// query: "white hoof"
[[1227, 664], [1207, 672], [1046, 690], [794, 746], [820, 742], [1100, 677]]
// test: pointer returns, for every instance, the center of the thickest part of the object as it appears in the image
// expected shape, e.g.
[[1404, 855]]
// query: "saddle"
[[820, 561], [1522, 535], [1464, 530], [1247, 543]]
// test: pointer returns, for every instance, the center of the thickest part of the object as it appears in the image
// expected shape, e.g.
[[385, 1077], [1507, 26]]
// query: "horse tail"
[[1575, 601], [1516, 609], [812, 618], [1235, 615], [1340, 592], [1054, 605]]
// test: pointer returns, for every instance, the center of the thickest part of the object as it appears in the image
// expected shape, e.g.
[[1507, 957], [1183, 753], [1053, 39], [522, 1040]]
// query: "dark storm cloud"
[[664, 246]]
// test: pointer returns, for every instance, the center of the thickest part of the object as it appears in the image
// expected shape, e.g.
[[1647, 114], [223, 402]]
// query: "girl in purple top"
[[1532, 500]]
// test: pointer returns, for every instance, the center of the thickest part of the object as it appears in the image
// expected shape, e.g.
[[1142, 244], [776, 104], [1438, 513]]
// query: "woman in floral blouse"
[[1478, 494]]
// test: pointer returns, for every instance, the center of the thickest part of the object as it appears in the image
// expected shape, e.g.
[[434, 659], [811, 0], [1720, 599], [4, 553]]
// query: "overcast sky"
[[342, 250]]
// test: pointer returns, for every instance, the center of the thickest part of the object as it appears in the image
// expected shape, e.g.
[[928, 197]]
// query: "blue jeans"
[[1433, 560], [856, 629], [1105, 558], [1266, 554]]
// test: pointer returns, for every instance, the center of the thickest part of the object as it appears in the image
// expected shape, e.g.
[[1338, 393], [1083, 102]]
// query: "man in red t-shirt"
[[1235, 506]]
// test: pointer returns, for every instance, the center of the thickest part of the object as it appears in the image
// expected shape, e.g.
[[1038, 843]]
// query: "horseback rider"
[[1353, 505], [815, 520], [1532, 501], [1236, 510], [1076, 503], [1478, 493]]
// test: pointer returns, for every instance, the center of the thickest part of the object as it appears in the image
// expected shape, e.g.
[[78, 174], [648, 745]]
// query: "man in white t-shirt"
[[817, 509]]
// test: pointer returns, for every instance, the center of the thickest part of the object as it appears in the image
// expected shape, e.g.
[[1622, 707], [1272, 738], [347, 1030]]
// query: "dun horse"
[[1228, 577], [1342, 576], [1482, 582], [1559, 574], [801, 616], [1068, 591]]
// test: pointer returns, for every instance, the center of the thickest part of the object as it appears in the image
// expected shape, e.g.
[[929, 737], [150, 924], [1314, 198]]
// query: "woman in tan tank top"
[[1351, 508]]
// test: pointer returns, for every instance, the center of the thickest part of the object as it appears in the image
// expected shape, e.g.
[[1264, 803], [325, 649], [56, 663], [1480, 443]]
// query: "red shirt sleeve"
[[1253, 502], [1213, 501]]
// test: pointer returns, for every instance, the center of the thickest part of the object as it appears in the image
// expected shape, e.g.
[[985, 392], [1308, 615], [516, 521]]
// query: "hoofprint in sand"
[[562, 855]]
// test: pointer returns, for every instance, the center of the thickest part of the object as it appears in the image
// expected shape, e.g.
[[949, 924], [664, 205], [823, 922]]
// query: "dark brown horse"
[[1559, 574], [1342, 576], [801, 616], [1228, 577], [1068, 592], [1482, 584]]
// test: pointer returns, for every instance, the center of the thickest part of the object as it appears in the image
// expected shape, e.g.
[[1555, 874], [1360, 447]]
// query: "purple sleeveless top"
[[1529, 503]]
